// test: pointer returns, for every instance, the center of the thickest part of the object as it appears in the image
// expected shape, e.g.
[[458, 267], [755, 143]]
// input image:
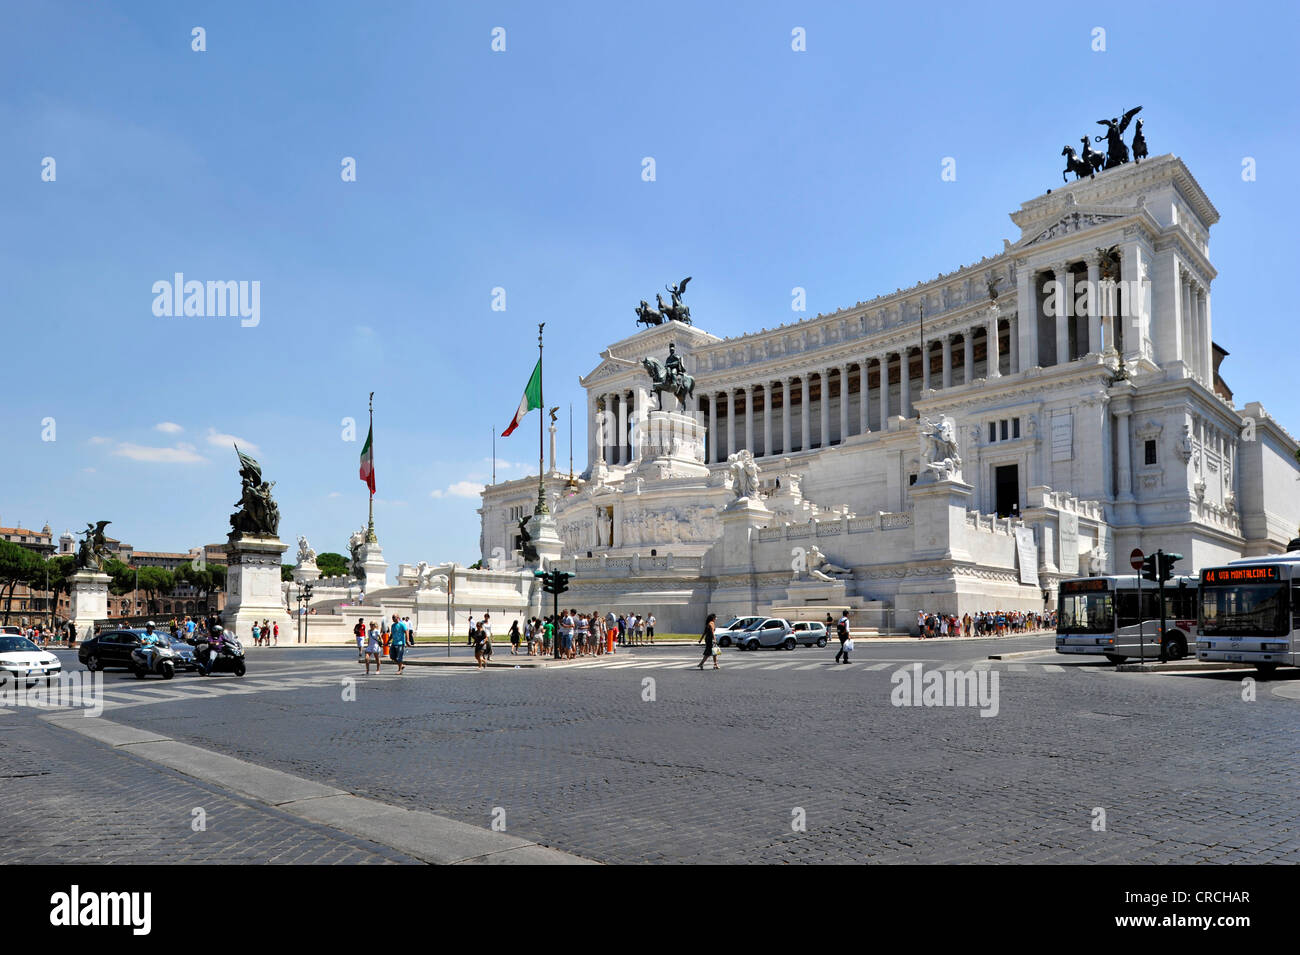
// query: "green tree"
[[155, 581], [286, 572], [333, 565], [18, 565], [60, 570]]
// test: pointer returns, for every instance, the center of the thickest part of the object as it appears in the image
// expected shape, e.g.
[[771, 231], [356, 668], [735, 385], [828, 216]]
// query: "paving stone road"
[[717, 766]]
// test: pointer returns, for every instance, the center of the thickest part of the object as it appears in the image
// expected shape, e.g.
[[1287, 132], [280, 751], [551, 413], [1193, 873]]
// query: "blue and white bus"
[[1250, 612], [1118, 617]]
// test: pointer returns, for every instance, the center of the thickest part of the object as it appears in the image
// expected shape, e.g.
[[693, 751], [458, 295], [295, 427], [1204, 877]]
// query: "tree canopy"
[[333, 565]]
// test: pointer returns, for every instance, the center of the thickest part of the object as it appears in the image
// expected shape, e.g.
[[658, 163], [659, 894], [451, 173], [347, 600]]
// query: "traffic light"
[[1151, 568], [553, 581], [1167, 562]]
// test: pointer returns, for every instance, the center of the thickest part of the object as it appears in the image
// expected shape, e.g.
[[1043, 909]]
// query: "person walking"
[[480, 641], [514, 638], [373, 647], [486, 626], [472, 629], [275, 631], [842, 631], [359, 631], [650, 629], [706, 638], [397, 640]]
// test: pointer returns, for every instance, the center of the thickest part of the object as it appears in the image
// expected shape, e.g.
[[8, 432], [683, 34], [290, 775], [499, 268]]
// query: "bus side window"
[[1295, 607]]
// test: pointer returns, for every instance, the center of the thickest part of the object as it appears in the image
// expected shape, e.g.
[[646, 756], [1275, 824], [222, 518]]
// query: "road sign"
[[1135, 559]]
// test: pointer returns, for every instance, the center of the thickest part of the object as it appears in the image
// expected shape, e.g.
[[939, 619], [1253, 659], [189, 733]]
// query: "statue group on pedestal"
[[93, 549], [526, 542], [670, 376], [258, 515], [744, 474], [939, 455], [676, 312], [1090, 162]]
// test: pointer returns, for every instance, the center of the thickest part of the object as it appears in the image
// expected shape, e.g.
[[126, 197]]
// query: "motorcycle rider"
[[149, 643], [212, 649]]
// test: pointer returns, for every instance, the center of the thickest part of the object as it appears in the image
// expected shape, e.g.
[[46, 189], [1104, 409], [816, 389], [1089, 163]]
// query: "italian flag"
[[368, 461], [532, 399]]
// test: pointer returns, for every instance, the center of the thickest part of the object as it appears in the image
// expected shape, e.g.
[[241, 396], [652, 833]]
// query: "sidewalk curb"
[[1181, 666], [1020, 653], [431, 838]]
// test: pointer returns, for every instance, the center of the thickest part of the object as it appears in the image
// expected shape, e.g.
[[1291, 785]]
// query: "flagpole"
[[370, 527], [541, 420], [494, 455]]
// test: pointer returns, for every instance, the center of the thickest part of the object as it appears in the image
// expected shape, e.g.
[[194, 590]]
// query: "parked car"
[[809, 633], [20, 659], [769, 632], [184, 653], [726, 636]]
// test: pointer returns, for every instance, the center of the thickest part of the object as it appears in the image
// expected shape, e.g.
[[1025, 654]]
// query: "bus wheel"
[[1265, 669], [1177, 648], [1115, 658]]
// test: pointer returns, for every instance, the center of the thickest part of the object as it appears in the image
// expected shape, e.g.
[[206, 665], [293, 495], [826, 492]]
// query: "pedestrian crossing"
[[765, 663], [120, 694]]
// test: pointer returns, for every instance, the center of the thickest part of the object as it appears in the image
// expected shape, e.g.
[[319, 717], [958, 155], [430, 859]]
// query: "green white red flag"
[[532, 399], [368, 462]]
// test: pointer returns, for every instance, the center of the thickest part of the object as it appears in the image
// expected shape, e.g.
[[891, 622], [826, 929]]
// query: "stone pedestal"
[[731, 562], [546, 538], [671, 445], [253, 589], [89, 601], [939, 519], [374, 568], [306, 572]]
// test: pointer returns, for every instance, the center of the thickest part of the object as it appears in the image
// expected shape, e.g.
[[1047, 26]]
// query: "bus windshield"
[[1087, 613], [1255, 609]]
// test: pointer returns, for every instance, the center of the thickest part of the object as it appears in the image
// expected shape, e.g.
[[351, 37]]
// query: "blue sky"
[[522, 169]]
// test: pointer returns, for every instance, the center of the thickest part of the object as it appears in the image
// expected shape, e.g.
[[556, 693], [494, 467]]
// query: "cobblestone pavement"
[[718, 764], [68, 799]]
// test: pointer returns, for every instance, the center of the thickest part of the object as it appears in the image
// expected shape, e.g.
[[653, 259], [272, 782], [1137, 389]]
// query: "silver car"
[[726, 636], [767, 632], [809, 633]]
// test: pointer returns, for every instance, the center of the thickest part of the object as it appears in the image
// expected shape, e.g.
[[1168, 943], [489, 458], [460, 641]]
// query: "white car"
[[726, 636], [20, 659]]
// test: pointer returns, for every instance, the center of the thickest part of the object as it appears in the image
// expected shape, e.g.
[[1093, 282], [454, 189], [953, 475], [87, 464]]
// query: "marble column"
[[713, 428], [824, 411], [785, 414], [805, 412], [991, 349], [749, 417], [863, 395], [1013, 342], [1124, 466], [884, 392], [1062, 318], [844, 403], [1027, 309], [1203, 309], [767, 417], [731, 421], [947, 361], [1093, 260], [968, 356], [905, 383]]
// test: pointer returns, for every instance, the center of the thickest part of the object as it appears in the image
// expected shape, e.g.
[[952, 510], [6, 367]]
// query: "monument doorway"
[[1006, 488]]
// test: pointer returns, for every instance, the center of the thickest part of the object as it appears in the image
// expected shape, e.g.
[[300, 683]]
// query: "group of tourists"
[[380, 639], [984, 623], [265, 632]]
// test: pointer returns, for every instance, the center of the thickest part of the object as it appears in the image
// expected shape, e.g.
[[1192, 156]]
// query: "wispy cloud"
[[219, 439], [335, 494], [100, 439], [168, 427], [459, 489], [502, 464], [181, 454]]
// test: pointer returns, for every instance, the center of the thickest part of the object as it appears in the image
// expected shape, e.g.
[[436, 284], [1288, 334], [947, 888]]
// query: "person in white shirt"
[[650, 628]]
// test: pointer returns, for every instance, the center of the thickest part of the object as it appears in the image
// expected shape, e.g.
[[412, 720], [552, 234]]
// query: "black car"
[[113, 648]]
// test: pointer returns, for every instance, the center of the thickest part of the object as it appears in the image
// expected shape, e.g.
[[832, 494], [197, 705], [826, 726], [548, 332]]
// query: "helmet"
[[217, 630], [151, 624]]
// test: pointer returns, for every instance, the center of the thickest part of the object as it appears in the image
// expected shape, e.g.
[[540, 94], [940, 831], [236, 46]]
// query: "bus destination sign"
[[1241, 575], [1084, 586]]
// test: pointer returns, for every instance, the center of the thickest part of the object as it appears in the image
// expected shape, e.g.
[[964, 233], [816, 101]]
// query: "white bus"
[[1250, 612], [1102, 616]]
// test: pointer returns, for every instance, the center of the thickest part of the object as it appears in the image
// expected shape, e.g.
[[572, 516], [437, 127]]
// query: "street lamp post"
[[304, 599]]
